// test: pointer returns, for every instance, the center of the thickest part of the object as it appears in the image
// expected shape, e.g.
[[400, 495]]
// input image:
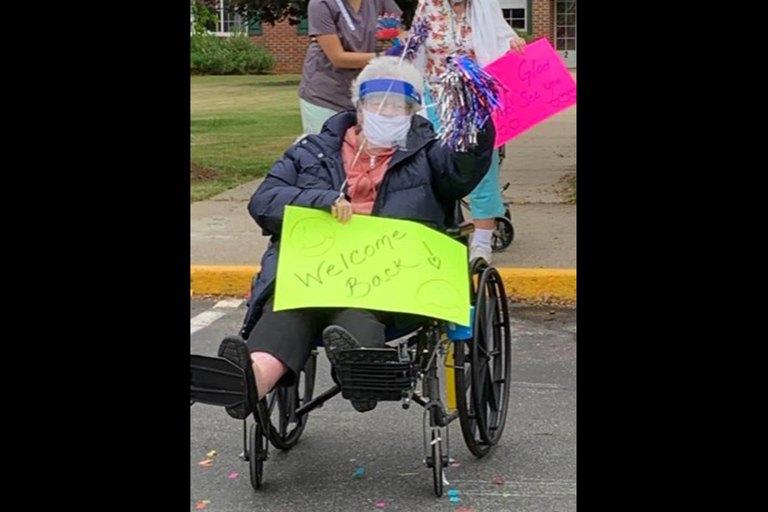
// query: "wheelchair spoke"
[[480, 408], [467, 365], [271, 401], [493, 393], [473, 418], [282, 424], [482, 373]]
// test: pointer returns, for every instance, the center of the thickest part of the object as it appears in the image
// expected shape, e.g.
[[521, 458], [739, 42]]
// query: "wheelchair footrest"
[[216, 381], [374, 374]]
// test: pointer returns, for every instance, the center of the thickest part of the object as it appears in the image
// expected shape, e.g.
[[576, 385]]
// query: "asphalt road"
[[533, 468]]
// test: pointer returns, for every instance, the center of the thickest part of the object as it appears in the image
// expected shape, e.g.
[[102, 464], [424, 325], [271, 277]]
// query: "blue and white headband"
[[391, 86]]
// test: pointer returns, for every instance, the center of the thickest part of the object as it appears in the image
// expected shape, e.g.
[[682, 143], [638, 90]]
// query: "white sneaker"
[[480, 252]]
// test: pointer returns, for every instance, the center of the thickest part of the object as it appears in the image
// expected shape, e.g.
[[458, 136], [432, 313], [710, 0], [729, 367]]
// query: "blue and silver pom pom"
[[468, 97], [419, 33]]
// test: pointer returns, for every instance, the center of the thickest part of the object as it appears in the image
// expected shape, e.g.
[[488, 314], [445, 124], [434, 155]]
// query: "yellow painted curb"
[[539, 283], [232, 280], [519, 283]]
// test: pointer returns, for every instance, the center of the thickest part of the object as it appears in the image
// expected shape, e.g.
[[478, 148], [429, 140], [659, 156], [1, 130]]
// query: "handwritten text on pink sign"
[[538, 87]]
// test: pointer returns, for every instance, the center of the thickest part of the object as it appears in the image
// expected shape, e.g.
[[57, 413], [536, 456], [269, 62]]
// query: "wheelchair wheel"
[[289, 428], [437, 463], [484, 367], [257, 453], [503, 234]]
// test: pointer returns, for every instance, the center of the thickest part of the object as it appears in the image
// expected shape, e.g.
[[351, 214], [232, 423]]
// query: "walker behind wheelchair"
[[503, 230], [476, 362]]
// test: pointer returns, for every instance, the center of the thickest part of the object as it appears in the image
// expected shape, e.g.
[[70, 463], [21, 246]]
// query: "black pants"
[[290, 335]]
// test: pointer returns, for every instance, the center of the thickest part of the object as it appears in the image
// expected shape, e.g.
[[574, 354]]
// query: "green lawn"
[[240, 126]]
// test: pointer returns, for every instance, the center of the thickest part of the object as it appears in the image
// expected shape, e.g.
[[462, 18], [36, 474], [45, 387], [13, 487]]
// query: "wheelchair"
[[476, 362]]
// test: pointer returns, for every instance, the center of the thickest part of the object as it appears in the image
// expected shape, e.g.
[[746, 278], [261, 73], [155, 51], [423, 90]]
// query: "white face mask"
[[384, 131]]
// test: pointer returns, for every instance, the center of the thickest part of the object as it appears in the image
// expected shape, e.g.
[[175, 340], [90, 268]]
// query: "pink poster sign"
[[538, 87]]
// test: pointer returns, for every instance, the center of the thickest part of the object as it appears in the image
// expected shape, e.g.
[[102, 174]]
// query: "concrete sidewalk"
[[222, 232]]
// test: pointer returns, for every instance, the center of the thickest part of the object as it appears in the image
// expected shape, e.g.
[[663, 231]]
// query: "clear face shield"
[[389, 105], [387, 108]]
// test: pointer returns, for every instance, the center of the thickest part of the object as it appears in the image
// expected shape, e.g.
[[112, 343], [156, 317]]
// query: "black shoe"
[[336, 339], [234, 350], [364, 405]]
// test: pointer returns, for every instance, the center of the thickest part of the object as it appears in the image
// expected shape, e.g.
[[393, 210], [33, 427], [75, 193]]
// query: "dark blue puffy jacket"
[[422, 183]]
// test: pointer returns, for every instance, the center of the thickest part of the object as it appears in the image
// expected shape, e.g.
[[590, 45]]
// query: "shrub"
[[525, 35], [237, 55]]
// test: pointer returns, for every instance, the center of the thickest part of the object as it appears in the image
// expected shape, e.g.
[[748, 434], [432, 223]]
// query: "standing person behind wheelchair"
[[379, 159], [342, 41], [477, 29]]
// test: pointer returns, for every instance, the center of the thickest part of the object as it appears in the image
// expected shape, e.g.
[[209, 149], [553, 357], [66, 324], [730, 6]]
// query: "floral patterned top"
[[449, 34]]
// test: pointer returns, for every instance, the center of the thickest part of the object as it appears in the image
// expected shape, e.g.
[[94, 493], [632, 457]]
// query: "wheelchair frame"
[[477, 364]]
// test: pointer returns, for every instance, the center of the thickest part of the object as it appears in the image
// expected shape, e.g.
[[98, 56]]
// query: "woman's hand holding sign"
[[342, 209], [517, 44]]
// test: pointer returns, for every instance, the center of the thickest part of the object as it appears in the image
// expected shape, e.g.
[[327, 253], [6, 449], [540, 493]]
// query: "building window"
[[303, 26], [515, 18], [254, 27], [229, 22], [565, 25]]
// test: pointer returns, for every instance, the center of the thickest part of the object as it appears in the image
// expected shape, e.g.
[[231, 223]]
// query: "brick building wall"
[[285, 43], [543, 17], [289, 47]]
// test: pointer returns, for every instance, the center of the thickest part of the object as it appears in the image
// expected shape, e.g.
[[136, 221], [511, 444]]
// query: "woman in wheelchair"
[[380, 159]]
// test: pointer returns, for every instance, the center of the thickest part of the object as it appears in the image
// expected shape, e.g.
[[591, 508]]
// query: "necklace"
[[372, 157], [456, 32]]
